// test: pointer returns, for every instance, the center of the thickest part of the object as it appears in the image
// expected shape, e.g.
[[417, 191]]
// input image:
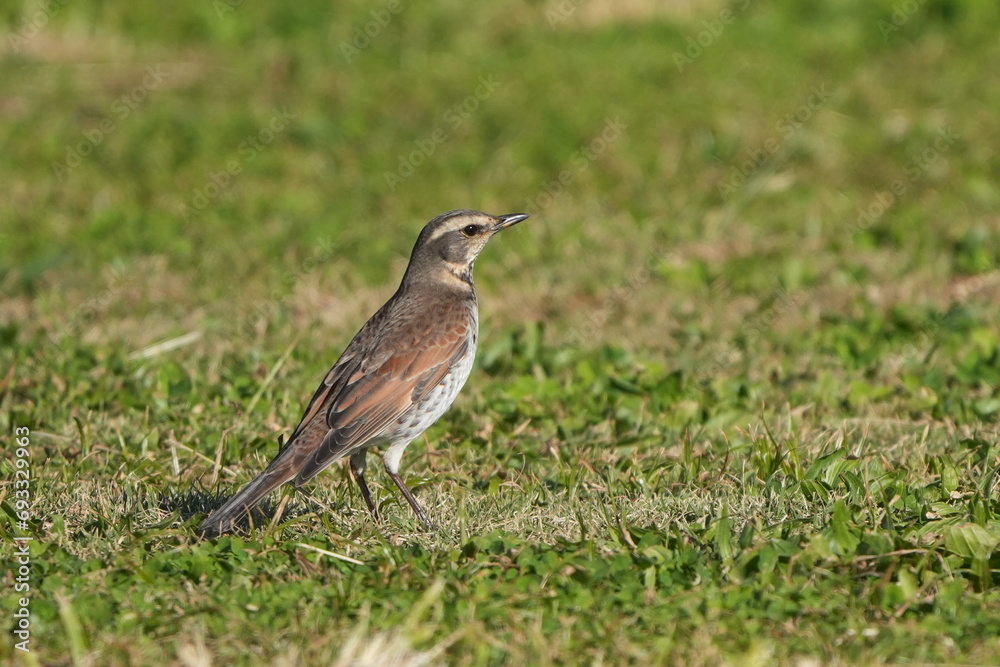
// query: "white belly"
[[422, 416]]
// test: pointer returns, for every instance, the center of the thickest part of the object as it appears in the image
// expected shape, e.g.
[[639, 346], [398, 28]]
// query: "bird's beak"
[[509, 220]]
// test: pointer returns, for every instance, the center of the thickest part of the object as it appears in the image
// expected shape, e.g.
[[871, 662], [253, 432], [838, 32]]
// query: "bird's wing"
[[346, 366], [362, 396]]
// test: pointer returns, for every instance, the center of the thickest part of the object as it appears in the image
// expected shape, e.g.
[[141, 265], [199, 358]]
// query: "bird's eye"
[[471, 230]]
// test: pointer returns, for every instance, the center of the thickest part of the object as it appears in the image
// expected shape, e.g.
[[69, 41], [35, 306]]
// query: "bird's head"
[[452, 241]]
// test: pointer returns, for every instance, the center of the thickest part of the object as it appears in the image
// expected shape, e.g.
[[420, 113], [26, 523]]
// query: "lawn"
[[738, 388]]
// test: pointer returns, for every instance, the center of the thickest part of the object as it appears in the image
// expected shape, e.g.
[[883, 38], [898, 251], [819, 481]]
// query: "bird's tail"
[[229, 515]]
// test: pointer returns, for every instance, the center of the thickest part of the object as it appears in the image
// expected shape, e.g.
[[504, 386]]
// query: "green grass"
[[739, 381]]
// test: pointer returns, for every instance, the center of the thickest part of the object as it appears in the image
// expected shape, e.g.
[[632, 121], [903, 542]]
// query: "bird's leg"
[[410, 499], [358, 466]]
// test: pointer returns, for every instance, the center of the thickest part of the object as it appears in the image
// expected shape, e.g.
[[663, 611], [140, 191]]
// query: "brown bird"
[[398, 375]]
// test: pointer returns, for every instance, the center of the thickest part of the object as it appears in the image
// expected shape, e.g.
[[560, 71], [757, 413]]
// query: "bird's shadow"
[[201, 502]]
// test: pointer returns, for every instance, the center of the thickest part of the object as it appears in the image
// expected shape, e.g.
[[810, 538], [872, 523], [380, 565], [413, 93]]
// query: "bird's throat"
[[457, 274]]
